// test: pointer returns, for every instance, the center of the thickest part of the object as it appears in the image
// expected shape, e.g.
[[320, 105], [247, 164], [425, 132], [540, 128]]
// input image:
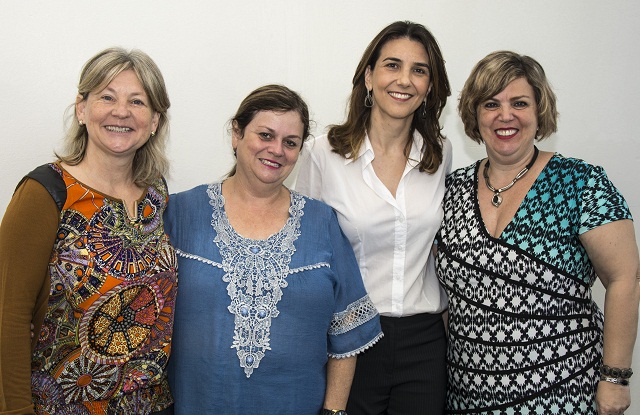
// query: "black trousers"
[[405, 373]]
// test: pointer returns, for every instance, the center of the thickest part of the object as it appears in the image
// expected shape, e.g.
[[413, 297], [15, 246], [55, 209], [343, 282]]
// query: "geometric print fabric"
[[525, 335]]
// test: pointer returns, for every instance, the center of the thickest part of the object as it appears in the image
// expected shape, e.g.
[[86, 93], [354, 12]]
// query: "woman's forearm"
[[339, 378]]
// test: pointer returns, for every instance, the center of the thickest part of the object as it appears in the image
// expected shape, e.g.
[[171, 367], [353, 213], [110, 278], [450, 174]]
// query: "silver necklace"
[[496, 200]]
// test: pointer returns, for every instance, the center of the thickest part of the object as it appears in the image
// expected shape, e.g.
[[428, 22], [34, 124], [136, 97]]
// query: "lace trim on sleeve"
[[358, 350], [356, 314]]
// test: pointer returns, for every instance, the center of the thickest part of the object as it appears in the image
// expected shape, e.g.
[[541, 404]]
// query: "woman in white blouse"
[[383, 172]]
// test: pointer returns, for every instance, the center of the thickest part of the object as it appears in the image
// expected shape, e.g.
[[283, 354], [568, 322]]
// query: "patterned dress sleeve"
[[27, 235], [602, 203], [355, 325]]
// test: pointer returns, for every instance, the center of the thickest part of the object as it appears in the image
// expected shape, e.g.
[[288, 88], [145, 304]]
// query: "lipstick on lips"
[[506, 133]]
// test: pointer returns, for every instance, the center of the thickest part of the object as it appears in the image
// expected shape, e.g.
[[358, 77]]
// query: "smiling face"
[[400, 79], [119, 118], [269, 146], [508, 121]]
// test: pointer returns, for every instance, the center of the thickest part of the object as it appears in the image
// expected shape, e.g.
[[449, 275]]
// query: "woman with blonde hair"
[[84, 256], [525, 235]]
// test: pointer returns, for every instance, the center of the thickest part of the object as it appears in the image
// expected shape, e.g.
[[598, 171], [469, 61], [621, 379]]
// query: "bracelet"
[[616, 372], [617, 381]]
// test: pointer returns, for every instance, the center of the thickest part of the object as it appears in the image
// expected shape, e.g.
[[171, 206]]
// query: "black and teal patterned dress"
[[525, 336]]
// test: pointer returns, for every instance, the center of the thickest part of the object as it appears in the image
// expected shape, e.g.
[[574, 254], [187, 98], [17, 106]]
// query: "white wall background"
[[213, 53]]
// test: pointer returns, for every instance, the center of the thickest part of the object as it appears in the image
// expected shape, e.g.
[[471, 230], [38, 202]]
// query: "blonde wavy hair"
[[150, 162]]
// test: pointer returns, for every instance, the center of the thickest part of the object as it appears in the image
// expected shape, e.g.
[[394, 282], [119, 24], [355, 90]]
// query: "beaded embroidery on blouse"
[[255, 271]]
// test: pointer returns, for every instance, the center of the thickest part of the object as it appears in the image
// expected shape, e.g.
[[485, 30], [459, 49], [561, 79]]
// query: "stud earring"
[[153, 133]]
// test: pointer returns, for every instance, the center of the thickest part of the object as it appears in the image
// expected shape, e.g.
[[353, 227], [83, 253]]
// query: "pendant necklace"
[[496, 200]]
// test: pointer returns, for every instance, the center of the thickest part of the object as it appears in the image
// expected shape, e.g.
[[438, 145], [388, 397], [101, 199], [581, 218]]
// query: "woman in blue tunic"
[[525, 232], [271, 309]]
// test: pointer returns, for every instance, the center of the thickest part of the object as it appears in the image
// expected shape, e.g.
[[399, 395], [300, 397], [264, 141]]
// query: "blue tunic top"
[[256, 320]]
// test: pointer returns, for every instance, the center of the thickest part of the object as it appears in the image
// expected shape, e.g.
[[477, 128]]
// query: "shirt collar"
[[366, 150]]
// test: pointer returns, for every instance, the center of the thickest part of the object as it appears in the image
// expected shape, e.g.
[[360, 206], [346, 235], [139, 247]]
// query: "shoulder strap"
[[51, 179]]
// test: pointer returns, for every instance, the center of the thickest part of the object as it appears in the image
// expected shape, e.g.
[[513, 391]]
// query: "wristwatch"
[[326, 411]]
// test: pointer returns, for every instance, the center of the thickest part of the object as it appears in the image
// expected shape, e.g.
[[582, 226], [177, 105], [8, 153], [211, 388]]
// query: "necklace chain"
[[496, 200]]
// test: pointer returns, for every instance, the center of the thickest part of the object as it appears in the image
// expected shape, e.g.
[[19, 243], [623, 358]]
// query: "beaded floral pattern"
[[255, 271]]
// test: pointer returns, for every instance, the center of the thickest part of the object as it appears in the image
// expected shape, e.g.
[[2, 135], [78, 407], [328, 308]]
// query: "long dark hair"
[[346, 139]]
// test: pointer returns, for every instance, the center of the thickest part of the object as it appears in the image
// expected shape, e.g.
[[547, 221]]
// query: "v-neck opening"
[[476, 203], [136, 203]]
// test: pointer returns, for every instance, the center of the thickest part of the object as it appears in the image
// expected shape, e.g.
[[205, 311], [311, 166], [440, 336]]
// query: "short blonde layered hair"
[[150, 161], [491, 75]]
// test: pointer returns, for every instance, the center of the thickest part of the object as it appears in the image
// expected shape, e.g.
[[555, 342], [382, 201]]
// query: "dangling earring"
[[368, 100], [235, 152], [424, 108]]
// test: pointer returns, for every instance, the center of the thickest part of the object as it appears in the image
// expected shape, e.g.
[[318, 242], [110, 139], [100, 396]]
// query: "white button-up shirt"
[[391, 236]]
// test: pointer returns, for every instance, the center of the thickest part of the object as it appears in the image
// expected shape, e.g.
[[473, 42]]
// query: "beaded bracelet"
[[617, 381], [616, 372]]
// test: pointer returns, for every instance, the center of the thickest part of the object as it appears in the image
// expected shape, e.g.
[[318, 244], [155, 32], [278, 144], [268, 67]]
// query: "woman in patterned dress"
[[102, 299], [271, 311], [524, 235]]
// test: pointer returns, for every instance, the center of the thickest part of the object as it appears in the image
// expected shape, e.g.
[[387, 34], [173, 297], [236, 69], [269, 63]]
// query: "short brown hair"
[[272, 97], [491, 75]]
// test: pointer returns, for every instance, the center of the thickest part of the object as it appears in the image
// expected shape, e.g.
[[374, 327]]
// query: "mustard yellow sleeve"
[[27, 235]]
